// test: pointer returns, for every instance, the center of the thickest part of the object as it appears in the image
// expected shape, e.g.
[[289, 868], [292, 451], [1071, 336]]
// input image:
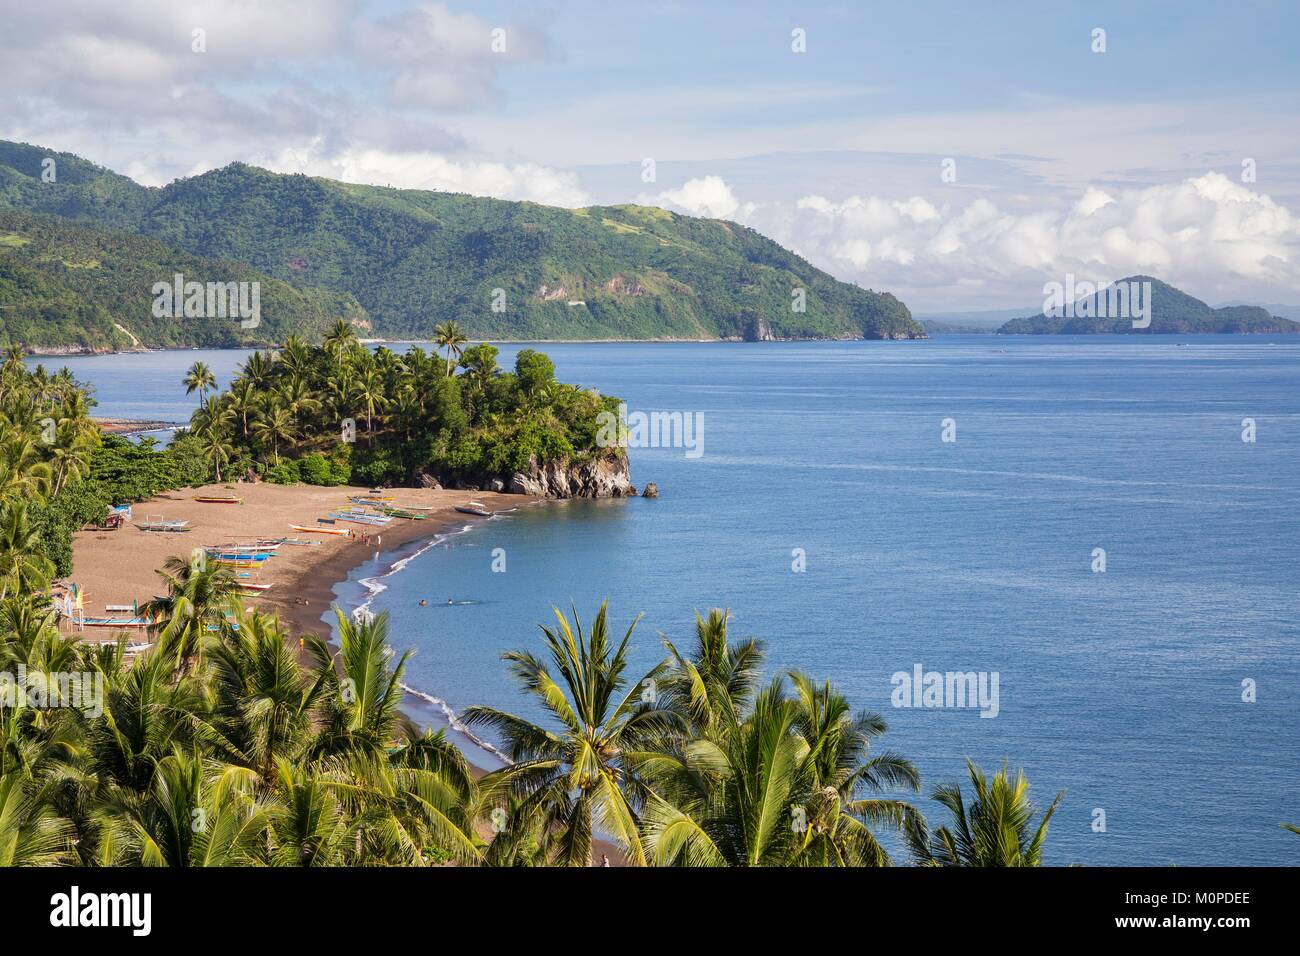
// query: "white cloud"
[[528, 181], [708, 196], [1208, 234]]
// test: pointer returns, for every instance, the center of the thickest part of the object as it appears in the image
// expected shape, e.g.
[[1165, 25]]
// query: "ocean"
[[826, 510]]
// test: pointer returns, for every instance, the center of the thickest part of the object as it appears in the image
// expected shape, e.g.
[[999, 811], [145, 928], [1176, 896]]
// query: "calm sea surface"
[[1124, 688]]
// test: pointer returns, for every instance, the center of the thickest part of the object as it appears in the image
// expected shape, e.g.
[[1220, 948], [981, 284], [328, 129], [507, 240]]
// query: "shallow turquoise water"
[[1123, 688]]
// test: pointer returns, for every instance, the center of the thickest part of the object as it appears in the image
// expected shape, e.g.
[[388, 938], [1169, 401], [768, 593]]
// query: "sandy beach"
[[120, 567]]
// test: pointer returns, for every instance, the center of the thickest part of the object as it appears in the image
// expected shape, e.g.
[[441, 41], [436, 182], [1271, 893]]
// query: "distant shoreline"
[[79, 353]]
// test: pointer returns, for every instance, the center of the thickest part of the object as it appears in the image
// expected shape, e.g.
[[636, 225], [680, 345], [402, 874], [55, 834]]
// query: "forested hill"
[[65, 285], [415, 258], [1172, 311]]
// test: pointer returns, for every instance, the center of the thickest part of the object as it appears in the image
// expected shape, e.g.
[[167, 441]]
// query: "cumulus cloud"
[[1216, 237], [526, 181], [124, 84], [708, 196]]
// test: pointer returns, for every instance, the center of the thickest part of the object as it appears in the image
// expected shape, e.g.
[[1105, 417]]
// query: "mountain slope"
[[414, 258], [70, 286], [1172, 311]]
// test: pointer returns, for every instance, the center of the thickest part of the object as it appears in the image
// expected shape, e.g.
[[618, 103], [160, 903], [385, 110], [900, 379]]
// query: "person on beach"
[[604, 860]]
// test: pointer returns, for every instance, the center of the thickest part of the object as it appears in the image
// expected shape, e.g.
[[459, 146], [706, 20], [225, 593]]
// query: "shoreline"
[[118, 568], [42, 352]]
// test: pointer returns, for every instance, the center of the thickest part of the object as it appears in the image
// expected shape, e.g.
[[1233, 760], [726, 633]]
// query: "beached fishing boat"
[[239, 561], [250, 586], [474, 508], [361, 517], [159, 523], [393, 512], [260, 557], [219, 499], [299, 542], [111, 622], [339, 531], [245, 548]]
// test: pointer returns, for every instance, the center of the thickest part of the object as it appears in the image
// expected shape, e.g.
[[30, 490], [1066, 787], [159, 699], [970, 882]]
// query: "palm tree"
[[217, 449], [259, 369], [340, 336], [197, 600], [360, 695], [712, 688], [840, 768], [199, 379], [992, 831], [737, 800], [244, 398], [263, 699], [31, 832], [24, 568], [371, 393], [450, 338], [274, 425], [194, 813], [567, 779], [296, 395]]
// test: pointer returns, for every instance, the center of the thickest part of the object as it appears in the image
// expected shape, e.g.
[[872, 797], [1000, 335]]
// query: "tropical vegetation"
[[340, 412], [416, 259]]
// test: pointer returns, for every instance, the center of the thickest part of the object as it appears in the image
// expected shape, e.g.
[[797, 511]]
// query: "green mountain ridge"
[[414, 258], [69, 287], [1172, 312]]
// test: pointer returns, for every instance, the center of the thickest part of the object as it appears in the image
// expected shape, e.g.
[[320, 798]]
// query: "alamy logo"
[[212, 300], [651, 430], [82, 690], [958, 689], [74, 908], [1093, 300]]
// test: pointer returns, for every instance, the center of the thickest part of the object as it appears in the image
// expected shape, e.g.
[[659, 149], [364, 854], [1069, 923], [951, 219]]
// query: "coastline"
[[118, 568]]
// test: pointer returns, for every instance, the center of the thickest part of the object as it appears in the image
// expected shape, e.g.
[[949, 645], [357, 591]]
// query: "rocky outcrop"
[[651, 491], [604, 477]]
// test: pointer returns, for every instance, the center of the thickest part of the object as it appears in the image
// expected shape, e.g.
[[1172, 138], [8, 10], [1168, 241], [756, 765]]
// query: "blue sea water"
[[1123, 688]]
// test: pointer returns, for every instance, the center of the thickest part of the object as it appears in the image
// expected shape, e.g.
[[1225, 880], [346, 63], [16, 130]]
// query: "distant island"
[[1172, 311], [81, 247]]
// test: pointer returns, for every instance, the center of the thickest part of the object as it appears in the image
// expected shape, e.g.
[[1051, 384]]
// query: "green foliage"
[[68, 284], [122, 471], [416, 259], [286, 472], [56, 521], [337, 412]]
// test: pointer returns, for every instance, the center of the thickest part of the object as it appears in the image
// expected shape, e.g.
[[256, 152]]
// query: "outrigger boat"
[[361, 517], [159, 523], [474, 508], [245, 548], [235, 557], [219, 499], [249, 586], [298, 527], [394, 512], [110, 622]]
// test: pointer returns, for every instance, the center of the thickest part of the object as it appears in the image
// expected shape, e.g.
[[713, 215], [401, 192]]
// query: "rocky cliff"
[[604, 477]]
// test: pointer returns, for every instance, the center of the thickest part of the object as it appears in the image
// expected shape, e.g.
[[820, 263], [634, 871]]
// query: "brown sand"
[[120, 567]]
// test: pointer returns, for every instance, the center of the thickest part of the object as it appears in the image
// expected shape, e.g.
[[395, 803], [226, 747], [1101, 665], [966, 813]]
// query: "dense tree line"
[[340, 412]]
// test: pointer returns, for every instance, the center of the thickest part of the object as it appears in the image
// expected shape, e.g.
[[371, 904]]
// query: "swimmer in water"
[[423, 603], [450, 601]]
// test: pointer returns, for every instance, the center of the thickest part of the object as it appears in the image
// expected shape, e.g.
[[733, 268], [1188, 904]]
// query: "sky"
[[957, 154]]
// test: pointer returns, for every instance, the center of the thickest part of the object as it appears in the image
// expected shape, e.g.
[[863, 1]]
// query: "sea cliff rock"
[[651, 490], [605, 477]]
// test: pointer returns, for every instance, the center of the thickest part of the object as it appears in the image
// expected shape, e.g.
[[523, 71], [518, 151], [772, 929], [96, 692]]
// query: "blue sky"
[[1060, 159]]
